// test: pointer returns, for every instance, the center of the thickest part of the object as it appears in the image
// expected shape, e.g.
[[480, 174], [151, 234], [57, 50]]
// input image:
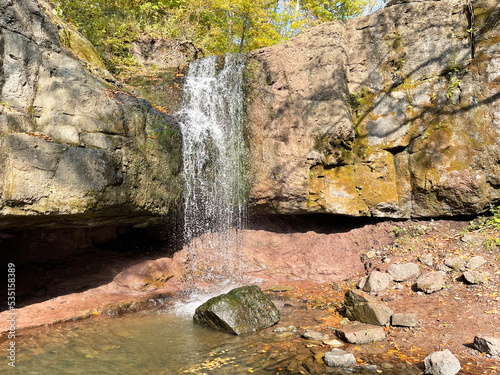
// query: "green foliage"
[[485, 222], [215, 26]]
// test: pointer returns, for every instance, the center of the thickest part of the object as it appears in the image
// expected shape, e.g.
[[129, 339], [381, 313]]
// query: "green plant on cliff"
[[453, 84]]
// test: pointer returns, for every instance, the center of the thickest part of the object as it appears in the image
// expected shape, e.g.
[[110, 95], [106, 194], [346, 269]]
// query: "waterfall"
[[214, 163]]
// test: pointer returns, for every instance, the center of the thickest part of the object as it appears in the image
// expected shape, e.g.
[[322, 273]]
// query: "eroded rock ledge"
[[392, 115]]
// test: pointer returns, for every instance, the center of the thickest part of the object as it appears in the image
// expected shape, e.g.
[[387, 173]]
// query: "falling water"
[[214, 158]]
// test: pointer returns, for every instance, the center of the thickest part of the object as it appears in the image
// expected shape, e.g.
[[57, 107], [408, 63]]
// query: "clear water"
[[163, 343], [132, 344], [214, 162]]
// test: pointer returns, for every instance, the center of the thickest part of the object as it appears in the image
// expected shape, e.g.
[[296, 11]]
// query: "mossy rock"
[[242, 310]]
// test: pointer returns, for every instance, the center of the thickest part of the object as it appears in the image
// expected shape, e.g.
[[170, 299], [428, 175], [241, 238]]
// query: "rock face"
[[71, 143], [242, 310], [391, 115]]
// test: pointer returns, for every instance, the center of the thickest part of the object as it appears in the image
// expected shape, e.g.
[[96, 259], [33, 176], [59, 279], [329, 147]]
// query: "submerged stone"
[[242, 310]]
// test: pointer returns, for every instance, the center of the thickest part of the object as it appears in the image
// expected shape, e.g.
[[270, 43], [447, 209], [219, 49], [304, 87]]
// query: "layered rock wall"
[[70, 142], [395, 114]]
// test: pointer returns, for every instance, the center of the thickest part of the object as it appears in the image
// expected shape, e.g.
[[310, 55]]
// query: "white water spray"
[[214, 164]]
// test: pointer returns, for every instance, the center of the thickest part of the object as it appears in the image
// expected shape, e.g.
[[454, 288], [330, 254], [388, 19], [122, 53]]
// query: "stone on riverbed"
[[313, 335], [404, 320], [431, 282], [361, 333], [242, 310], [474, 277], [475, 262], [402, 272], [364, 308], [442, 363], [339, 358], [376, 282]]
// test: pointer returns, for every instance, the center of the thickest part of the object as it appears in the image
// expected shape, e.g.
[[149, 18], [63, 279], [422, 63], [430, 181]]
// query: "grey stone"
[[289, 329], [402, 272], [474, 277], [431, 282], [369, 312], [455, 262], [354, 297], [473, 239], [488, 345], [362, 282], [441, 363], [377, 281], [426, 259], [404, 320], [361, 333], [242, 310], [475, 262], [339, 358], [362, 307]]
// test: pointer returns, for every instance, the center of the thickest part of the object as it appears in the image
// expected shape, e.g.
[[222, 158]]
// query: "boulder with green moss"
[[242, 310]]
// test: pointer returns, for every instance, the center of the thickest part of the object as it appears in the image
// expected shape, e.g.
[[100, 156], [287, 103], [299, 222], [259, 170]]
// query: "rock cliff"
[[396, 114], [70, 142]]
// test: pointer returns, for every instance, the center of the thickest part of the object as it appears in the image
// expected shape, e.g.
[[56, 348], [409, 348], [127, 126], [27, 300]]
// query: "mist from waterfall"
[[214, 164]]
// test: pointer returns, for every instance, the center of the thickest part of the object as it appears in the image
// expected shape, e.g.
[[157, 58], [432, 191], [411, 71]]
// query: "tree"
[[216, 26]]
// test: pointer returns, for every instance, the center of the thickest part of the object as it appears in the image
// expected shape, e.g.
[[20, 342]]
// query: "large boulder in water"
[[242, 310]]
